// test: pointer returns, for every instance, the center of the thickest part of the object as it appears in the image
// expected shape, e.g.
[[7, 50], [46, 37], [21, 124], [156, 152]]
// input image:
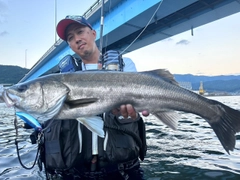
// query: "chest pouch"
[[69, 64]]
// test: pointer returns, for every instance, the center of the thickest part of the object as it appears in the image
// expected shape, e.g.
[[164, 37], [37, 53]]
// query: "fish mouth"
[[9, 99]]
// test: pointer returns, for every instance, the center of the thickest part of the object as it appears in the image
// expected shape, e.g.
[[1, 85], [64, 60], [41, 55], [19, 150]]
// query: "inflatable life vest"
[[64, 150]]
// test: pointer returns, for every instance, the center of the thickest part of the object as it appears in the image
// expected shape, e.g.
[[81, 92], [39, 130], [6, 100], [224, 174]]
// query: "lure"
[[30, 120]]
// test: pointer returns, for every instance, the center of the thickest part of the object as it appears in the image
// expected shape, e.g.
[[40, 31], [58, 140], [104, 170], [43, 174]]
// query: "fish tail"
[[226, 126]]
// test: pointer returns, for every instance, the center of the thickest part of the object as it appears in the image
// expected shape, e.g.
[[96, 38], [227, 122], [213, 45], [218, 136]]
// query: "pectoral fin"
[[170, 118]]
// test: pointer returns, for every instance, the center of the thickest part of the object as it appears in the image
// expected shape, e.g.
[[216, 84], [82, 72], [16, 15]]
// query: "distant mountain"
[[232, 86], [196, 79], [11, 74], [228, 83], [223, 83]]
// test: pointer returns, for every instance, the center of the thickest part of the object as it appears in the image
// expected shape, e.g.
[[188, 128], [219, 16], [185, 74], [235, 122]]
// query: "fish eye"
[[22, 88]]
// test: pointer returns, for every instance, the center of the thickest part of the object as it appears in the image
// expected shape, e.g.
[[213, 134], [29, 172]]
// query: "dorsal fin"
[[164, 74]]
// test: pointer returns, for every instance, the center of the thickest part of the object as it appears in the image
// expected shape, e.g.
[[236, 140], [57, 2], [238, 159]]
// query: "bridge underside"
[[125, 20], [170, 21]]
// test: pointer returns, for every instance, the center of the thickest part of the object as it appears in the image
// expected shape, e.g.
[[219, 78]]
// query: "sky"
[[27, 31]]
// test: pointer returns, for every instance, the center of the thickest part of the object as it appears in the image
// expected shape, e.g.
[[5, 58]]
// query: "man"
[[116, 155], [80, 36]]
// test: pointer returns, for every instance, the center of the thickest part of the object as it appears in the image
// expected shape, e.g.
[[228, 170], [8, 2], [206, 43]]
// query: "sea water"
[[191, 152]]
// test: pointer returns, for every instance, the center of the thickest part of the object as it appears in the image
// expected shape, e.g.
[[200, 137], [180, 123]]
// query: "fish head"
[[40, 97]]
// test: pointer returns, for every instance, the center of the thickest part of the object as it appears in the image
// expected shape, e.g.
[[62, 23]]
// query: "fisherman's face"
[[81, 40]]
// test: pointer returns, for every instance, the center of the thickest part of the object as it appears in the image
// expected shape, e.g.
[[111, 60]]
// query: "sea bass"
[[89, 93]]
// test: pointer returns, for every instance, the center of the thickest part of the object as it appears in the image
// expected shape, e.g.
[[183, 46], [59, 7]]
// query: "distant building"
[[201, 89]]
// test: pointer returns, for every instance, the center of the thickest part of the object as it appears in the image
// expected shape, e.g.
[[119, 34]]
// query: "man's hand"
[[128, 111]]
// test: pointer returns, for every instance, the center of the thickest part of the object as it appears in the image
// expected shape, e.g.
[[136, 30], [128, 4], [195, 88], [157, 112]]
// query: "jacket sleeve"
[[129, 65]]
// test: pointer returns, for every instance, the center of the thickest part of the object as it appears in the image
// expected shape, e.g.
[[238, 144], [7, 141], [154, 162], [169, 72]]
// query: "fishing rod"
[[159, 5], [101, 60], [123, 51], [101, 34]]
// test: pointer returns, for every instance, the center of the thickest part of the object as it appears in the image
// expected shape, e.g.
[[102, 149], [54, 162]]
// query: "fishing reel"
[[112, 60]]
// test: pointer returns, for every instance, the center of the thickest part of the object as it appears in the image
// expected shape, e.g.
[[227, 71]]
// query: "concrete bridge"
[[138, 23]]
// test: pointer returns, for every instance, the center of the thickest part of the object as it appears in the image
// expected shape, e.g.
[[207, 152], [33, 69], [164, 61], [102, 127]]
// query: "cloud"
[[3, 11], [3, 5], [3, 33], [184, 42], [168, 39]]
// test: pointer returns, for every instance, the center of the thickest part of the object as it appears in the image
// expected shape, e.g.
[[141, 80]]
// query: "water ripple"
[[191, 152]]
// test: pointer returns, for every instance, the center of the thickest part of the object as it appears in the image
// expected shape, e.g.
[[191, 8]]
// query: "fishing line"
[[101, 38], [109, 10], [17, 149], [101, 27], [159, 5], [143, 28], [15, 122]]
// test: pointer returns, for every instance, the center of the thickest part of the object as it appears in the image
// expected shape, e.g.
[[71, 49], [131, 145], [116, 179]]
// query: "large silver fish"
[[84, 94]]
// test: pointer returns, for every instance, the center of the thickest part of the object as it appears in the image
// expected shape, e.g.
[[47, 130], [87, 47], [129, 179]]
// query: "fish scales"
[[84, 94]]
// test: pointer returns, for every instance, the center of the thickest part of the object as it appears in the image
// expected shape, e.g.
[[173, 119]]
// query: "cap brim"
[[62, 25]]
